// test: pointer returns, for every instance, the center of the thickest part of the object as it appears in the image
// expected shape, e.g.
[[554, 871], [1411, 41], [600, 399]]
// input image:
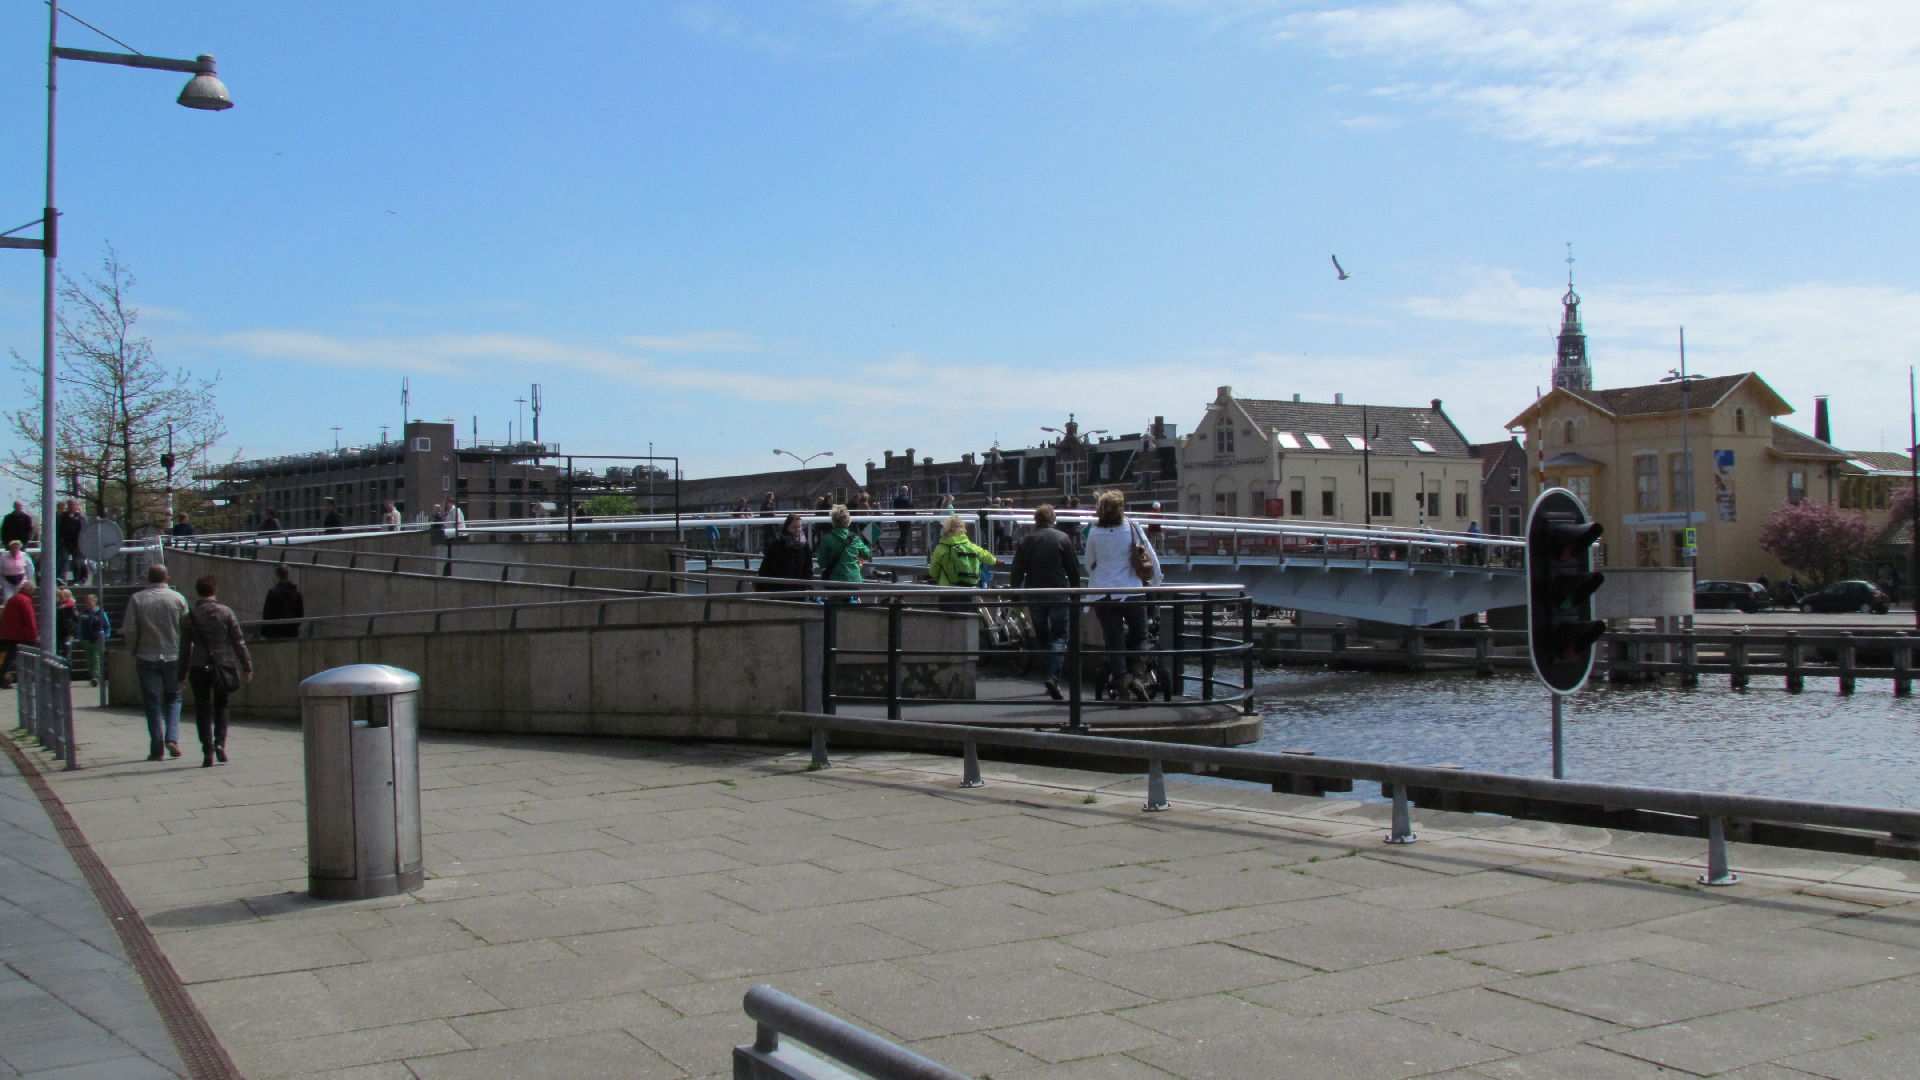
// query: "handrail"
[[1713, 807], [775, 1014], [45, 702]]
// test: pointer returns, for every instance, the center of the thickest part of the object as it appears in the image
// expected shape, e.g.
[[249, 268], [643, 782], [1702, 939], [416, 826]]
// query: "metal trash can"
[[363, 782]]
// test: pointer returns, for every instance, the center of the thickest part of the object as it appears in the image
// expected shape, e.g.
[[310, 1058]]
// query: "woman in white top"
[[1122, 614], [16, 567]]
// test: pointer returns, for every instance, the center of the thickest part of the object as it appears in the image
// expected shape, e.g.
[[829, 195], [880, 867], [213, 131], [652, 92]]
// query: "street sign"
[[1561, 629], [1691, 545], [100, 540]]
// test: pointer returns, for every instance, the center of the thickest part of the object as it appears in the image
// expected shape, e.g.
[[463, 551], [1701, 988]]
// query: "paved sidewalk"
[[598, 907], [71, 1006]]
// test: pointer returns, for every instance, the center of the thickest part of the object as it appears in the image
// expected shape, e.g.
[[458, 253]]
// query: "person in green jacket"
[[956, 561], [840, 552]]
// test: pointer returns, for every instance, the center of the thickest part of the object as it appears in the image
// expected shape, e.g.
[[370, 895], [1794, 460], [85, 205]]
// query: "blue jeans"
[[1050, 628], [160, 695]]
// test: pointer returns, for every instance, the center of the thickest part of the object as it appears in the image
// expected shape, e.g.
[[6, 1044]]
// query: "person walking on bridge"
[[902, 504], [787, 555], [214, 658], [1045, 559], [153, 637], [1120, 559], [840, 553], [284, 607], [957, 562], [67, 528]]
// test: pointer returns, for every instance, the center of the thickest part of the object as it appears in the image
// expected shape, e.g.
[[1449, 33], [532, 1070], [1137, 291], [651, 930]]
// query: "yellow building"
[[1621, 451]]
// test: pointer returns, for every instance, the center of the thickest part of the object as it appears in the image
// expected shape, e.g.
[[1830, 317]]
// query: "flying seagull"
[[1338, 269]]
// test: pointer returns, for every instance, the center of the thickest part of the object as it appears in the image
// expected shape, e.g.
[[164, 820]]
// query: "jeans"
[[1123, 625], [209, 709], [1050, 628], [160, 695]]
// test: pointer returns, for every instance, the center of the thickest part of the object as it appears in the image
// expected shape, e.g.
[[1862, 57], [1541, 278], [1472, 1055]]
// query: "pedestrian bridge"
[[1409, 577]]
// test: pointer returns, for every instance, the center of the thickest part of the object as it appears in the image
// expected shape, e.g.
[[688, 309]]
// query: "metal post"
[[1246, 657], [1796, 681], [1156, 788], [49, 565], [893, 657], [1075, 676], [1846, 663], [1688, 676], [1717, 872], [1206, 650], [970, 765], [66, 719], [820, 748], [1179, 637], [1737, 660], [1903, 664], [1559, 760], [1402, 819], [829, 660]]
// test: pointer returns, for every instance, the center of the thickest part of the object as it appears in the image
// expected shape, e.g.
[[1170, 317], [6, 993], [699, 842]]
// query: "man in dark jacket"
[[333, 521], [284, 603], [903, 503], [66, 530], [1045, 559], [17, 526]]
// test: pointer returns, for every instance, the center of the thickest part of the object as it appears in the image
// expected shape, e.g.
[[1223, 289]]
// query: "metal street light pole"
[[804, 460], [1690, 552], [203, 91]]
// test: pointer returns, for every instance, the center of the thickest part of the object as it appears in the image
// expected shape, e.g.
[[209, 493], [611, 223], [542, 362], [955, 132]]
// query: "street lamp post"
[[805, 460], [203, 91], [1690, 552]]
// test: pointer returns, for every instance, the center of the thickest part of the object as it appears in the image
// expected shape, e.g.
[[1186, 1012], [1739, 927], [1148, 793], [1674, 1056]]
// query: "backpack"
[[963, 564]]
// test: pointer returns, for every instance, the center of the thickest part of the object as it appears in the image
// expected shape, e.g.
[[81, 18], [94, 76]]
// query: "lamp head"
[[205, 90]]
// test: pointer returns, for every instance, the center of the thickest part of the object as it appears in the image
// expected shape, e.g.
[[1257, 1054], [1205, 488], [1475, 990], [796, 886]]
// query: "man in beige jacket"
[[153, 636]]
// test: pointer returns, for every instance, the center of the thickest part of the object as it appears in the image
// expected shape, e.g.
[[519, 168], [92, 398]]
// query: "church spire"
[[1572, 372]]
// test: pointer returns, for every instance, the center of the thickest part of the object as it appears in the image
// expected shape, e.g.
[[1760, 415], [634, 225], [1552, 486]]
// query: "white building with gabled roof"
[[1354, 464]]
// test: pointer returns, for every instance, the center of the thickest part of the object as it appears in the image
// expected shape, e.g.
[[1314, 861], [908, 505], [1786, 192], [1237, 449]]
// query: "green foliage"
[[610, 505]]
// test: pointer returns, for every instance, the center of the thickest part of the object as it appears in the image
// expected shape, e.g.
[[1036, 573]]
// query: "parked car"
[[1848, 596], [1745, 595]]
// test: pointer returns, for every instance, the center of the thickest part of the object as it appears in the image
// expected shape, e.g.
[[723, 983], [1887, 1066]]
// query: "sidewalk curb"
[[193, 1038]]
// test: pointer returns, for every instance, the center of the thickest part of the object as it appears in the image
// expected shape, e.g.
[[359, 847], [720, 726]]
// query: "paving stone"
[[1501, 1020], [1187, 930], [578, 1016], [319, 1053], [1350, 1046], [1107, 1067], [974, 1054], [1875, 1010], [1242, 889], [1371, 935], [1563, 952], [1874, 1059], [1376, 984], [1188, 970], [1204, 1016], [989, 1001], [607, 1056], [1795, 962], [1078, 1037], [1634, 994], [1714, 1044], [1595, 905], [1576, 1063]]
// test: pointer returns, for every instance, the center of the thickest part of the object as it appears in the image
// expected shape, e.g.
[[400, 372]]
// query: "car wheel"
[[1880, 611], [1806, 609]]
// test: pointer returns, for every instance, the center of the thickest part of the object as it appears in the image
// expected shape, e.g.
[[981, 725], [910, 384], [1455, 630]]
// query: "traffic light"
[[1561, 629]]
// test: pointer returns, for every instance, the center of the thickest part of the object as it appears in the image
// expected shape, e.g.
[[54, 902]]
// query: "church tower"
[[1572, 372]]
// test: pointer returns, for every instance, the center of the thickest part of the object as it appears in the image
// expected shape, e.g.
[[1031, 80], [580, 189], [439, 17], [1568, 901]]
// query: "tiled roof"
[[1395, 427], [1491, 454], [792, 488], [1882, 460], [1792, 443], [1661, 397]]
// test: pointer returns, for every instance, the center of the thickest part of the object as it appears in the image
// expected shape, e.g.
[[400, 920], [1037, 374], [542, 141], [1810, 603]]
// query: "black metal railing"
[[1714, 810], [1195, 635], [45, 702], [775, 1014]]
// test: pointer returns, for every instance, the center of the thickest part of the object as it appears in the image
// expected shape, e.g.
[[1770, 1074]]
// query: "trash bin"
[[363, 782]]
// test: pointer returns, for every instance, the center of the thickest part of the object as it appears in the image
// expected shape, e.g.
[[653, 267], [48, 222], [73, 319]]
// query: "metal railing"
[[1714, 810], [775, 1014], [1740, 655], [1188, 641], [45, 702]]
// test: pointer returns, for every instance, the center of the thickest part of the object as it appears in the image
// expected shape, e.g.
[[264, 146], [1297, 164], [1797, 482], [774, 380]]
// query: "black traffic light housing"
[[1561, 581]]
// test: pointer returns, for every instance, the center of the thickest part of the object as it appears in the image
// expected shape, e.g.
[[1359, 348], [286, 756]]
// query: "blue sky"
[[726, 226]]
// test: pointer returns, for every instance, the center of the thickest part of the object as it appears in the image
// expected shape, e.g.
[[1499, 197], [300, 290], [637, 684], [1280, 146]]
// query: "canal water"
[[1863, 749]]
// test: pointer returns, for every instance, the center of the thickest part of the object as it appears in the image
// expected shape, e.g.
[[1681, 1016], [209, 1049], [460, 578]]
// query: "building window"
[[1570, 437], [1326, 503], [1513, 479], [1516, 521], [1226, 504], [1679, 466], [1679, 547], [1381, 503], [1257, 502], [1493, 521], [1297, 503], [1646, 549], [1223, 438], [1740, 420], [1796, 487], [1459, 504], [1646, 485], [422, 444]]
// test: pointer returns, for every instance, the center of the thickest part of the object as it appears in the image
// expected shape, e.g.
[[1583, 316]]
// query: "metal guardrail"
[[1713, 809], [45, 702], [775, 1014]]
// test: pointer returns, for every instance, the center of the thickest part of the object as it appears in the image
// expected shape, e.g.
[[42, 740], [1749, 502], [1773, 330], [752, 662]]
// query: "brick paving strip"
[[599, 906]]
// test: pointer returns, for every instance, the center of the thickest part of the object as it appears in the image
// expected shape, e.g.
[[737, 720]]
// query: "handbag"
[[1140, 557], [225, 676]]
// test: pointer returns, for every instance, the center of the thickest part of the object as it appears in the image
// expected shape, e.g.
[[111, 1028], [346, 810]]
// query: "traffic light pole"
[[1559, 770]]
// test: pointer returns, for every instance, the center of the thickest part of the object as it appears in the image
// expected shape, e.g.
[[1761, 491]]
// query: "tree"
[[610, 504], [119, 409], [1814, 539]]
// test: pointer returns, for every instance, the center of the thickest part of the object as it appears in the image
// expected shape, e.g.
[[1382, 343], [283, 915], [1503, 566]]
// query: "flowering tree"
[[1814, 539]]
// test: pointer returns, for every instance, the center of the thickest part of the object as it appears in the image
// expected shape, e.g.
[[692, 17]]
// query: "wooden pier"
[[1793, 656]]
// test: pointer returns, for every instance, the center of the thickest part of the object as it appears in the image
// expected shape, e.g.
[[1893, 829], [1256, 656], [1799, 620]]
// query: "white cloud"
[[696, 341], [1789, 81]]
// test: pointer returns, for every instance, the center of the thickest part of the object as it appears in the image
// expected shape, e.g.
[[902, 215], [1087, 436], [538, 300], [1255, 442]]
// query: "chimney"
[[909, 461], [1159, 427], [1339, 399], [1436, 404], [1296, 397], [1822, 427], [889, 454]]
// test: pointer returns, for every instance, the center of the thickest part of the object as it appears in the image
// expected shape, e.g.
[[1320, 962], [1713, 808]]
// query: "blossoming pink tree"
[[1815, 540]]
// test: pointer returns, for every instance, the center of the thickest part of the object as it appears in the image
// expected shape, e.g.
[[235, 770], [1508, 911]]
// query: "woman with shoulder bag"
[[214, 657], [1120, 558]]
